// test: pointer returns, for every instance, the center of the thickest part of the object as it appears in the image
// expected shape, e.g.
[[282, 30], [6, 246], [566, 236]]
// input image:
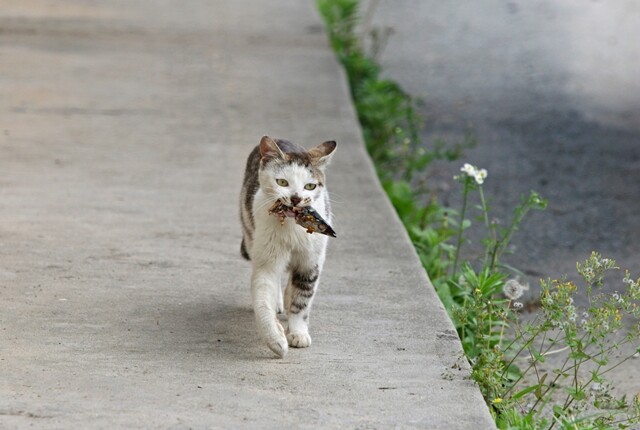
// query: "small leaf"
[[538, 392], [558, 411], [514, 373], [526, 391], [560, 372], [537, 356], [577, 394]]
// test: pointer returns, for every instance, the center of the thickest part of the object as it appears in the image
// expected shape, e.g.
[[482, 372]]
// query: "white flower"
[[513, 289], [517, 305], [468, 169], [479, 175], [618, 298], [589, 273]]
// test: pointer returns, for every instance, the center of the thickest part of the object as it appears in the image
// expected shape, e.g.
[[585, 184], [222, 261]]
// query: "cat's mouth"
[[282, 209], [291, 211]]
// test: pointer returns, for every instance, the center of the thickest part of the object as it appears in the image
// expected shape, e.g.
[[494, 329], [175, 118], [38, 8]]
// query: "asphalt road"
[[550, 91]]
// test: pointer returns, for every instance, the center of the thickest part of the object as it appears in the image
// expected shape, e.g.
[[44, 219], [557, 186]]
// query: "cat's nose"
[[295, 200]]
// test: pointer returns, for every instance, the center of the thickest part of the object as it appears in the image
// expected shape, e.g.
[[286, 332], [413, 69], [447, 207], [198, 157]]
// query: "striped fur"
[[277, 249]]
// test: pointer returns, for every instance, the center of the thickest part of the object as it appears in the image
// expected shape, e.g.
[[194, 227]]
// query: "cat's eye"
[[310, 187], [282, 182]]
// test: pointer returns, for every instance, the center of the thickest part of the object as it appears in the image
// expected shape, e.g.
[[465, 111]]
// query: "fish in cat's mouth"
[[305, 216], [283, 210], [287, 210]]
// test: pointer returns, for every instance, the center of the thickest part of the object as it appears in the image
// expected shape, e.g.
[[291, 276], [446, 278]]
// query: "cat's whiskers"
[[265, 205], [334, 200]]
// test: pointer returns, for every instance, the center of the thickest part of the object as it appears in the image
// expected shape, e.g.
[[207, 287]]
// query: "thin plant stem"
[[500, 245], [522, 348], [503, 326], [465, 196], [550, 386], [485, 215]]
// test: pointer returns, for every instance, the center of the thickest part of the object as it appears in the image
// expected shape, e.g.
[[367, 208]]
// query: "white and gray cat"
[[281, 170]]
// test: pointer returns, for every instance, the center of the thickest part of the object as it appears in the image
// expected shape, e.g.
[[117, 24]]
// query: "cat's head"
[[292, 174]]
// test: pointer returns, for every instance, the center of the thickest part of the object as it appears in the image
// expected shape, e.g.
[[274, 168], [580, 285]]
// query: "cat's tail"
[[243, 251]]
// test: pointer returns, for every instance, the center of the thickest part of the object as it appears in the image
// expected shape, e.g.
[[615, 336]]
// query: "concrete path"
[[124, 303]]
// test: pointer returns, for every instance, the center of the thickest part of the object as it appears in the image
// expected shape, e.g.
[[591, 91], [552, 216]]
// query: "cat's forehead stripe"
[[302, 159], [294, 153], [281, 166]]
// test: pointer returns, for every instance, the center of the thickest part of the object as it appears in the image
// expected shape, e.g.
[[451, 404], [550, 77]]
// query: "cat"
[[281, 170]]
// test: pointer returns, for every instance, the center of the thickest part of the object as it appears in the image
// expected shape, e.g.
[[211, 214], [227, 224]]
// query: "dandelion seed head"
[[513, 289]]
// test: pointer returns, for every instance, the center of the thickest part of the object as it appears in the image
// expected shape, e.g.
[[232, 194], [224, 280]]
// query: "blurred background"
[[550, 92]]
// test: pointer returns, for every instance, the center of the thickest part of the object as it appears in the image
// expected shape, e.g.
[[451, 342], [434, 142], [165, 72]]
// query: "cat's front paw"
[[299, 339], [277, 341], [278, 346]]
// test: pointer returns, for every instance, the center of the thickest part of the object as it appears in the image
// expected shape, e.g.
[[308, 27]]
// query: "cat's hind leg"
[[298, 297]]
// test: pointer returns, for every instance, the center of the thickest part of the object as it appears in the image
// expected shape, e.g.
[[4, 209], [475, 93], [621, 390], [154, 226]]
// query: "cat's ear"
[[269, 149], [321, 154]]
